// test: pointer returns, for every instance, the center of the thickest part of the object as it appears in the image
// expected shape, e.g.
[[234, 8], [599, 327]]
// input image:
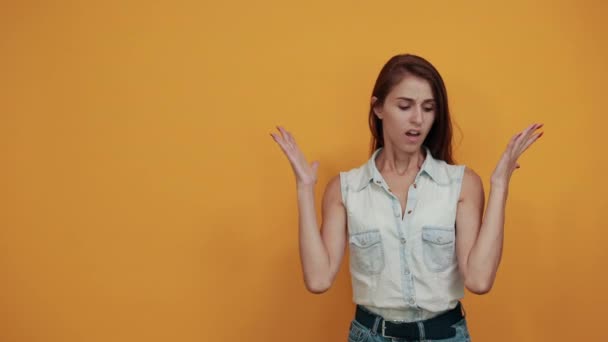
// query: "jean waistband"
[[434, 328]]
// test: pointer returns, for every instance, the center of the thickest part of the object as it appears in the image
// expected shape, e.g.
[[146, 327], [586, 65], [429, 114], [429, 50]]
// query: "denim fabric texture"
[[360, 333], [403, 262]]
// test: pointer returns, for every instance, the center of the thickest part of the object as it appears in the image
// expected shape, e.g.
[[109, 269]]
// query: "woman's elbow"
[[317, 287], [479, 287]]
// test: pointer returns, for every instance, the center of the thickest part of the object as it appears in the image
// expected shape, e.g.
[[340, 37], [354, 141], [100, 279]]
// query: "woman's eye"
[[429, 109], [404, 108]]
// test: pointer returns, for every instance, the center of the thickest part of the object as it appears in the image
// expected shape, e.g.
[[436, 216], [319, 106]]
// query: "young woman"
[[412, 218]]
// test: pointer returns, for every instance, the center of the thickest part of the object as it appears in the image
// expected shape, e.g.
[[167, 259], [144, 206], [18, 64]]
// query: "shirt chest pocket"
[[367, 252], [438, 247]]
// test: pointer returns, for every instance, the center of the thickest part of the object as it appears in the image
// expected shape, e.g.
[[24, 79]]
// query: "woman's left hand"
[[508, 162]]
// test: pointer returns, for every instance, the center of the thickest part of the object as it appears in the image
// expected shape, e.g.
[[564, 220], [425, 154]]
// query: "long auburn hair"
[[439, 139]]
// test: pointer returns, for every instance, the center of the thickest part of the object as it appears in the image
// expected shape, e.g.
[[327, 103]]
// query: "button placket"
[[409, 292], [411, 198], [396, 208]]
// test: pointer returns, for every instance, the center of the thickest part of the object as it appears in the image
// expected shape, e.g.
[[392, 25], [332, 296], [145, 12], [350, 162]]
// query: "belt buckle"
[[384, 329]]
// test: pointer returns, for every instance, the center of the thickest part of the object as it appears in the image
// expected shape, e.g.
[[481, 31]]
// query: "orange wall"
[[142, 198]]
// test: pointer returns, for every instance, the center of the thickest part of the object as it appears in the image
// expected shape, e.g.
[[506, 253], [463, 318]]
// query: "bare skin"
[[479, 237]]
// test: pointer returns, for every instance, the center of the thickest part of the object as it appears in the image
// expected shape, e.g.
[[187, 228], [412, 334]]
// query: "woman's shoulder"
[[355, 176], [454, 171]]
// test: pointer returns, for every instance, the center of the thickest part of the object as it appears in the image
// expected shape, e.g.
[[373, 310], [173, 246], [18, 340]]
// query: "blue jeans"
[[360, 333]]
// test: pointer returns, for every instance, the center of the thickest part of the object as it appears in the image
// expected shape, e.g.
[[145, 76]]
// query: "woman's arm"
[[321, 253], [479, 245], [479, 237]]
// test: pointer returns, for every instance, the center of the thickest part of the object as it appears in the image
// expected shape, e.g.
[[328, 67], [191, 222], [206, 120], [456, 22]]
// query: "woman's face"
[[409, 106]]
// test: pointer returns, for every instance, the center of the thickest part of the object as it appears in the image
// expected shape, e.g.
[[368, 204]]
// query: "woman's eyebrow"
[[408, 99]]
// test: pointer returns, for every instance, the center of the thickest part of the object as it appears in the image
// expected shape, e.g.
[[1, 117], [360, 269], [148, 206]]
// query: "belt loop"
[[421, 332], [464, 313], [376, 323]]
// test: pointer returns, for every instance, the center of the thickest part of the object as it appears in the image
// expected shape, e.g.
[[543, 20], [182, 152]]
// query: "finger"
[[284, 137], [530, 138], [291, 150], [523, 137], [282, 131], [291, 138], [279, 136], [528, 143], [531, 129], [531, 141], [280, 142], [288, 137], [513, 140], [520, 136]]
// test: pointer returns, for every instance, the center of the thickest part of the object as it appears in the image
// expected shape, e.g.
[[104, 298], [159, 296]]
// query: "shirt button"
[[414, 185], [402, 240], [406, 272], [412, 301], [409, 211]]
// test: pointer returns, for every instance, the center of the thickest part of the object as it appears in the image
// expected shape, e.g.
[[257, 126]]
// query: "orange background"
[[143, 199]]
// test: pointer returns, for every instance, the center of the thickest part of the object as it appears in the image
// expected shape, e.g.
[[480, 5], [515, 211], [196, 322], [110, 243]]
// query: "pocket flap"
[[438, 235], [365, 239]]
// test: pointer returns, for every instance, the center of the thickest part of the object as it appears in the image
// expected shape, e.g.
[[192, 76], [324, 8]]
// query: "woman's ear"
[[375, 108]]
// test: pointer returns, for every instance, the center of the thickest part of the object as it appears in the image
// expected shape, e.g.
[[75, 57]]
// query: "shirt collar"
[[431, 166]]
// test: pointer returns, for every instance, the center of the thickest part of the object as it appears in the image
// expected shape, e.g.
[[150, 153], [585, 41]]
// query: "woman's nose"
[[416, 115]]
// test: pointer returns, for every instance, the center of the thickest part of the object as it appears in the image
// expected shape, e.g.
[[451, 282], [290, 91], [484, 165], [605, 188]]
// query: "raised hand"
[[306, 174], [508, 162]]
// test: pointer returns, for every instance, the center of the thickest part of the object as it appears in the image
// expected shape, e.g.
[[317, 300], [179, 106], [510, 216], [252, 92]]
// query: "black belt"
[[434, 328]]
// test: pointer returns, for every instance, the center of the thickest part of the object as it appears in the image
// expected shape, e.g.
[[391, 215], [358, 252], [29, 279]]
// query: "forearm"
[[313, 254], [486, 253]]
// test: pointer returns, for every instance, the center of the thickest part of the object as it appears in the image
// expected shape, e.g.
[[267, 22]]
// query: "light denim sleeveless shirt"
[[404, 269]]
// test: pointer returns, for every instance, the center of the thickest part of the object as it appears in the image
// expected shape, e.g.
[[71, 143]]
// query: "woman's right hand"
[[305, 174]]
